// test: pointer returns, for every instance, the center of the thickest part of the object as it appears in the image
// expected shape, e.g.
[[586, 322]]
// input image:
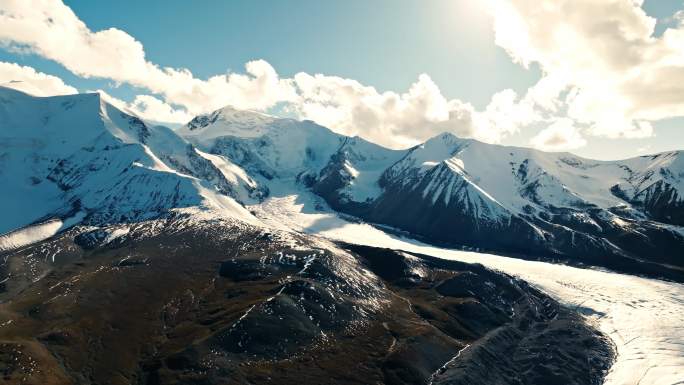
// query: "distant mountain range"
[[78, 155], [462, 192]]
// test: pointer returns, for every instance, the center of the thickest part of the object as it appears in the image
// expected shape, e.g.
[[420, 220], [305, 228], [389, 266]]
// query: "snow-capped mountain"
[[288, 149], [655, 184], [263, 145], [101, 206], [78, 155], [465, 192], [519, 199]]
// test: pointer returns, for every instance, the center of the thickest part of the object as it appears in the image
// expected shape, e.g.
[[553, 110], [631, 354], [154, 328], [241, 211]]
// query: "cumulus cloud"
[[148, 108], [403, 119], [561, 135], [604, 74], [602, 65], [29, 80], [52, 30], [397, 120]]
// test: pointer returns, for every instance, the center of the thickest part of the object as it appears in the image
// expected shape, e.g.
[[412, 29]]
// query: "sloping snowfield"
[[36, 233], [644, 317]]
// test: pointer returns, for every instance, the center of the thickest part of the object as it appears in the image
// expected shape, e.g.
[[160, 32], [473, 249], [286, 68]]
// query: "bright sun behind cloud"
[[608, 77]]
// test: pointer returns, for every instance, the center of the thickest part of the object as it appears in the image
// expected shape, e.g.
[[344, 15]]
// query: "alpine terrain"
[[625, 215], [243, 248]]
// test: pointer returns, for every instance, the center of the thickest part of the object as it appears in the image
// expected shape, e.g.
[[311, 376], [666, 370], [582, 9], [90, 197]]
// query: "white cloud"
[[402, 119], [52, 30], [507, 113], [149, 108], [390, 118], [29, 80], [561, 135], [602, 70], [605, 68]]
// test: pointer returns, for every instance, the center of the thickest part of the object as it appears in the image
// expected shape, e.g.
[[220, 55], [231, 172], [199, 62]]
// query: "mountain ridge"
[[460, 191], [113, 166], [81, 153]]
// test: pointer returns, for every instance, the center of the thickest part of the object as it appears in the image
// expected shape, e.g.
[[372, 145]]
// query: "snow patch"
[[36, 233]]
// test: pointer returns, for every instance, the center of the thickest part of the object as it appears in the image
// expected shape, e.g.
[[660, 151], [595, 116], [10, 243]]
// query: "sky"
[[601, 78]]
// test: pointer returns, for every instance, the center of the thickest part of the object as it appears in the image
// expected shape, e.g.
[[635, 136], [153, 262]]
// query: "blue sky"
[[386, 44]]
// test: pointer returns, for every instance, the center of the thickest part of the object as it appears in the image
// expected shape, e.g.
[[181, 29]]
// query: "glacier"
[[643, 317]]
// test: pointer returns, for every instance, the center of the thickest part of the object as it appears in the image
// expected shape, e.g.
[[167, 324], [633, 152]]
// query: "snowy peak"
[[463, 191], [60, 156], [520, 178], [229, 115], [654, 184], [66, 154], [267, 148], [419, 159], [264, 145], [227, 121]]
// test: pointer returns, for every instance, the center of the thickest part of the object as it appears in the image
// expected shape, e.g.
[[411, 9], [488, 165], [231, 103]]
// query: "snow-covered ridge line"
[[272, 146], [59, 153], [80, 152], [465, 192]]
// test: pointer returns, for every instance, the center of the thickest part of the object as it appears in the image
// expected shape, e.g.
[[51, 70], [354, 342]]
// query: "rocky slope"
[[186, 300]]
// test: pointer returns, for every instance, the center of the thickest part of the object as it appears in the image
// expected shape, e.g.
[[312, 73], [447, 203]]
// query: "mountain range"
[[80, 157], [134, 253], [626, 215]]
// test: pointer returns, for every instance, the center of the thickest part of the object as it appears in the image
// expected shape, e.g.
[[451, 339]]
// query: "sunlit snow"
[[644, 317]]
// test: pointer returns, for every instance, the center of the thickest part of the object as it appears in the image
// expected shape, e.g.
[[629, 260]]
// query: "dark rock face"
[[663, 203], [456, 222], [202, 121], [444, 206], [180, 301]]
